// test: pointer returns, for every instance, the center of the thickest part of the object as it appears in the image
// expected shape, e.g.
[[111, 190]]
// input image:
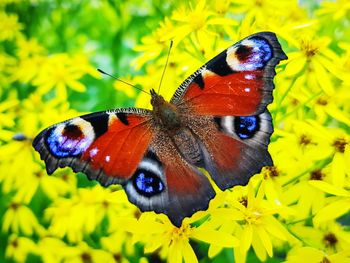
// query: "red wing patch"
[[231, 161], [121, 148], [236, 94]]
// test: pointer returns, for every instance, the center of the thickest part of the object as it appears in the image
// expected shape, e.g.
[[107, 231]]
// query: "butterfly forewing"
[[237, 82], [106, 146]]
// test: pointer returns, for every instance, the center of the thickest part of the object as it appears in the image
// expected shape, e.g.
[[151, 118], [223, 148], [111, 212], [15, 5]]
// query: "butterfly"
[[217, 120]]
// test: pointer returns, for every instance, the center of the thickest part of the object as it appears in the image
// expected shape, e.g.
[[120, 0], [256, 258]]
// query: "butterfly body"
[[216, 120]]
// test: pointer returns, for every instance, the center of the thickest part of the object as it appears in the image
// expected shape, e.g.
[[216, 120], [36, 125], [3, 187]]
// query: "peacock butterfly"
[[217, 120]]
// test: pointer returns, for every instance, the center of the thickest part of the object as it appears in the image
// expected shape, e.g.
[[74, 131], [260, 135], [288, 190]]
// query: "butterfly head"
[[165, 113]]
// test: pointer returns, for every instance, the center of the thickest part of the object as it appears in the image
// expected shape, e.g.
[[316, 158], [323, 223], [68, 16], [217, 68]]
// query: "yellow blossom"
[[59, 72], [314, 255], [157, 233], [19, 248], [9, 26], [20, 219], [336, 9], [197, 20]]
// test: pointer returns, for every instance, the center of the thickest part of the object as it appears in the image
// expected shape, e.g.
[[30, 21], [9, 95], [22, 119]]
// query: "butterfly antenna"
[[166, 64], [127, 83]]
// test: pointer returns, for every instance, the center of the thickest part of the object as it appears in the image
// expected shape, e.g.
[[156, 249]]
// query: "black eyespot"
[[243, 53], [246, 127], [73, 132], [147, 183]]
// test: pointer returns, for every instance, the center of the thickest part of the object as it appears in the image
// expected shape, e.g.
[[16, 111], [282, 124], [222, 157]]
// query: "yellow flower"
[[305, 145], [198, 22], [9, 26], [338, 147], [52, 186], [20, 219], [7, 116], [157, 233], [27, 48], [336, 9], [52, 249], [85, 212], [308, 204], [313, 255], [336, 206], [7, 68], [314, 64], [154, 45], [330, 237], [326, 106], [19, 248], [116, 242], [83, 253], [257, 11], [19, 170], [59, 72], [257, 224]]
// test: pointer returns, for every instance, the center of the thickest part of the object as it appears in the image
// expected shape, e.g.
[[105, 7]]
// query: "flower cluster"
[[295, 210]]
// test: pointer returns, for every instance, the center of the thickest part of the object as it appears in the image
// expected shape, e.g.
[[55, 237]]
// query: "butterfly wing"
[[228, 96], [126, 147], [234, 148], [106, 146], [165, 183], [237, 82]]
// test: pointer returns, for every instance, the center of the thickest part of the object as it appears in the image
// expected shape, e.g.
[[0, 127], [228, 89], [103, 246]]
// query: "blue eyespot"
[[147, 183], [246, 127], [61, 145], [264, 49]]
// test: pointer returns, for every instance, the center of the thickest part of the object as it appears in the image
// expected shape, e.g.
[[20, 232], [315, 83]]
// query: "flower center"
[[14, 206], [325, 260], [181, 233], [86, 257], [197, 21], [270, 172], [308, 49], [339, 145], [322, 101], [259, 3], [253, 216], [244, 201], [304, 140], [317, 175], [330, 240]]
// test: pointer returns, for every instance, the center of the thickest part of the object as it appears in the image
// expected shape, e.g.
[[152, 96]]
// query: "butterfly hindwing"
[[166, 183], [237, 82], [238, 149], [106, 146]]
